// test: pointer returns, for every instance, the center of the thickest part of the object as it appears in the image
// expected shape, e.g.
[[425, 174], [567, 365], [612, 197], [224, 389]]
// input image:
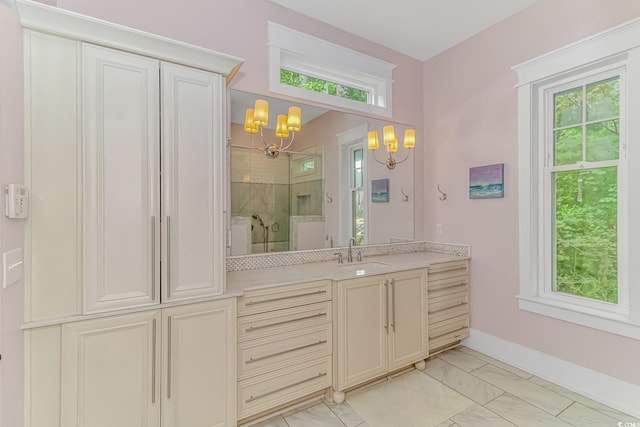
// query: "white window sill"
[[609, 322]]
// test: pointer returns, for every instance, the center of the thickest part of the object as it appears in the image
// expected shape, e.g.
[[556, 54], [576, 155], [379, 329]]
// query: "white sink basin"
[[362, 268], [364, 265]]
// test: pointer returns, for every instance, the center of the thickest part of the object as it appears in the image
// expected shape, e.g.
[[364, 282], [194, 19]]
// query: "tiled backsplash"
[[280, 259]]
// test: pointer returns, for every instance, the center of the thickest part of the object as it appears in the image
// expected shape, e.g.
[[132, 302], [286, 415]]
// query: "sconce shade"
[[409, 138], [388, 135], [294, 119], [249, 124], [281, 126], [372, 140], [261, 112], [393, 147]]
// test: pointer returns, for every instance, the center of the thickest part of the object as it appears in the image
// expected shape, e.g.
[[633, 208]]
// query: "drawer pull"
[[260, 396], [255, 328], [283, 298], [257, 359], [449, 270]]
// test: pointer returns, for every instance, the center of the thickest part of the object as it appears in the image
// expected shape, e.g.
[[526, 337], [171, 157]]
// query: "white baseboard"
[[602, 388]]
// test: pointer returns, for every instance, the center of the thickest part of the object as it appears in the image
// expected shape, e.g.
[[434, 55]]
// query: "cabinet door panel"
[[362, 337], [408, 308], [110, 371], [121, 161], [193, 176], [199, 364]]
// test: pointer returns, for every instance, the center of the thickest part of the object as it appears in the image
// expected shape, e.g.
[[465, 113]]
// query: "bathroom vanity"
[[326, 328]]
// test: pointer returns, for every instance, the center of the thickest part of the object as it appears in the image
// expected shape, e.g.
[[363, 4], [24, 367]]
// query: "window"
[[583, 151], [353, 189], [318, 84], [310, 68], [357, 194], [579, 182]]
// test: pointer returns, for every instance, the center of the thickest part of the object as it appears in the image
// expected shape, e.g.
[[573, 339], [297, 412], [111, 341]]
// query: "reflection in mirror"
[[318, 193]]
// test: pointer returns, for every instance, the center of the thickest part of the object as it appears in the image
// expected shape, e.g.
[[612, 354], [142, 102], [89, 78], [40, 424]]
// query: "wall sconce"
[[390, 139], [258, 117]]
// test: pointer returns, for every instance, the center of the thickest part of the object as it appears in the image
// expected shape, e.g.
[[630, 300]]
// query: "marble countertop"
[[240, 281]]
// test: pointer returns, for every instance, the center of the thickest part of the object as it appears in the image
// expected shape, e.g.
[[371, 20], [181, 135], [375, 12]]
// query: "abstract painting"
[[486, 182], [380, 191]]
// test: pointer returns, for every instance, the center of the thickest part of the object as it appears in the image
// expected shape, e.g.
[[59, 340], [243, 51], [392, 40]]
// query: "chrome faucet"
[[350, 252]]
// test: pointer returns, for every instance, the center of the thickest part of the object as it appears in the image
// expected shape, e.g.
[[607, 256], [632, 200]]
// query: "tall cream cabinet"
[[125, 148], [125, 235], [381, 326], [125, 324]]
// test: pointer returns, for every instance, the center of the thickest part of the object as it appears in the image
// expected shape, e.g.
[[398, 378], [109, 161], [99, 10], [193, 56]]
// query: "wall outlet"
[[438, 229]]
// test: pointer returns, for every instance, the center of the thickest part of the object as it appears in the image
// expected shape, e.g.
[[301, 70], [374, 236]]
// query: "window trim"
[[618, 47], [300, 52]]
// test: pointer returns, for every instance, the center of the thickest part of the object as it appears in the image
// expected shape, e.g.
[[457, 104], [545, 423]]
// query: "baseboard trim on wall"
[[602, 388]]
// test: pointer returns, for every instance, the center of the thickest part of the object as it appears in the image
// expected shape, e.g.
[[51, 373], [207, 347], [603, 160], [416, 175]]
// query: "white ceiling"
[[417, 28]]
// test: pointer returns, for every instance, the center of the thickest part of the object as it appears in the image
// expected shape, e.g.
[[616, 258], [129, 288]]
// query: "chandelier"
[[257, 118], [390, 139]]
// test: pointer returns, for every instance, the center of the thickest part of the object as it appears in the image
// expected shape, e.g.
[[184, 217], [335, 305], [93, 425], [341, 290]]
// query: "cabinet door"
[[199, 381], [110, 370], [193, 182], [120, 189], [408, 318], [362, 330]]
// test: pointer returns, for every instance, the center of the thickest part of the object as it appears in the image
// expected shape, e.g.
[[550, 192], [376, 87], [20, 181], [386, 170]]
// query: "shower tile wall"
[[306, 198], [260, 186]]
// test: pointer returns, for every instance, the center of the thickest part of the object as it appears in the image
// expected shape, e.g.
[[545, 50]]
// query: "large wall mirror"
[[324, 189]]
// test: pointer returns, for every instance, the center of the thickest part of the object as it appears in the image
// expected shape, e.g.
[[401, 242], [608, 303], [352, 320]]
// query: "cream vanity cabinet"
[[285, 345], [170, 367], [448, 304], [381, 326]]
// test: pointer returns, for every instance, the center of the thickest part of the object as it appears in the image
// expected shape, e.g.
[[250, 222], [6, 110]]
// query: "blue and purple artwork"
[[486, 182]]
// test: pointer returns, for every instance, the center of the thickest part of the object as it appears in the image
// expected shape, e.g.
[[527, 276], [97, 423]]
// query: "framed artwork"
[[380, 191], [486, 182]]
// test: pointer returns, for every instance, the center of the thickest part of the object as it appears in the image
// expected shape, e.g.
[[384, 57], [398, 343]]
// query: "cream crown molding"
[[44, 18]]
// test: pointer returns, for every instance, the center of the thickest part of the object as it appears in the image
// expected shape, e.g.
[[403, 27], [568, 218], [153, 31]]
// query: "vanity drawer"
[[447, 339], [447, 282], [447, 301], [439, 316], [267, 354], [264, 300], [285, 320], [446, 268], [267, 391], [448, 290], [450, 325]]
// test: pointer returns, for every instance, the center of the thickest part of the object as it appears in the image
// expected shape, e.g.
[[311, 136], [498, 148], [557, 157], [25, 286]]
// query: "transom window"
[[313, 69], [317, 84]]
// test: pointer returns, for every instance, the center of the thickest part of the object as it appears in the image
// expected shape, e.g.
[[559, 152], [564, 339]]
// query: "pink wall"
[[239, 28], [11, 231], [470, 120]]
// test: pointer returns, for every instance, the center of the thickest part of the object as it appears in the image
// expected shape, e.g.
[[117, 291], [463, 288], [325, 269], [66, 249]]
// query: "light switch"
[[13, 264]]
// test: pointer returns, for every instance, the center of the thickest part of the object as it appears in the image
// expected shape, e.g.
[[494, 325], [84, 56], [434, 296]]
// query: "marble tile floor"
[[458, 388]]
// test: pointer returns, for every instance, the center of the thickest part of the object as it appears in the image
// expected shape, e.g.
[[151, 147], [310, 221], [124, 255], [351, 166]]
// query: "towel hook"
[[329, 198], [405, 197], [444, 195]]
